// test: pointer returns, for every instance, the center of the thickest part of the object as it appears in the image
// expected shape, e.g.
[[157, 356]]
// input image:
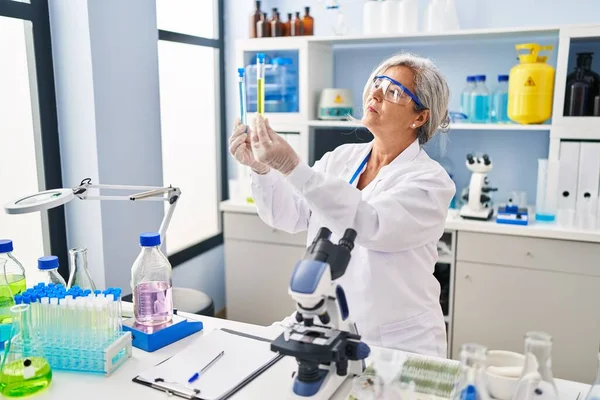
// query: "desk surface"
[[76, 386], [455, 222]]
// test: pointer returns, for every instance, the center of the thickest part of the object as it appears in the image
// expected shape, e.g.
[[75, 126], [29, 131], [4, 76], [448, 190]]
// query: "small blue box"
[[153, 338], [512, 215]]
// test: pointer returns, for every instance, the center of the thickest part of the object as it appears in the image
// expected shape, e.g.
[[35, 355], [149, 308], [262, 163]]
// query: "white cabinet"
[[259, 261], [506, 286]]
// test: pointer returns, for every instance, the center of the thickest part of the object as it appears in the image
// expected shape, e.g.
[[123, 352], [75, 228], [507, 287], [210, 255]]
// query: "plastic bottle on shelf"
[[408, 16], [480, 101], [582, 87], [389, 16], [450, 17], [151, 283], [49, 266], [465, 97], [297, 25], [499, 106], [372, 17], [309, 23], [254, 18], [433, 19]]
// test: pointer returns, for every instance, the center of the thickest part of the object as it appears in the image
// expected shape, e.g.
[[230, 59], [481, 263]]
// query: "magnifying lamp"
[[57, 197]]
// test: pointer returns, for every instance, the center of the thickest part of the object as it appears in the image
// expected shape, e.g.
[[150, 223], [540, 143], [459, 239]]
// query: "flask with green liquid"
[[12, 283]]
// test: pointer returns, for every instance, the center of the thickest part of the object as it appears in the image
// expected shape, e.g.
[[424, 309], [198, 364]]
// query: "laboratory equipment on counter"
[[79, 273], [465, 97], [324, 340], [263, 27], [594, 393], [48, 265], [260, 83], [335, 104], [24, 369], [79, 330], [372, 17], [298, 25], [536, 380], [57, 197], [276, 25], [547, 190], [479, 106], [499, 106], [151, 283], [242, 95], [308, 22], [472, 384], [286, 27], [433, 18], [12, 283], [515, 212], [254, 18], [531, 86], [583, 85], [280, 86], [478, 197]]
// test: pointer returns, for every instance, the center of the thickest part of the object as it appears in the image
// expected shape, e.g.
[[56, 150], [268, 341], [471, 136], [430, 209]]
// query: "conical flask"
[[24, 369], [472, 383], [536, 379], [79, 275]]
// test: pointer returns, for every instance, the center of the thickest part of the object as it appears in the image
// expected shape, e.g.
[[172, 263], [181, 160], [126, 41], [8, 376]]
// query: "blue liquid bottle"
[[465, 97], [480, 101], [499, 113]]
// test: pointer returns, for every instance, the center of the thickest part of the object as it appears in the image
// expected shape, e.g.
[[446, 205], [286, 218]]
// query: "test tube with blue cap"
[[242, 93], [260, 83]]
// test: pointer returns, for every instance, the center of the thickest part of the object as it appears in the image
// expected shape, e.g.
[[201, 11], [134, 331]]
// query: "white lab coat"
[[392, 294]]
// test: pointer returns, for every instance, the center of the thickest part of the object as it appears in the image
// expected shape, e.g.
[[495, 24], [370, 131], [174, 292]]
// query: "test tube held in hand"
[[260, 83], [242, 94]]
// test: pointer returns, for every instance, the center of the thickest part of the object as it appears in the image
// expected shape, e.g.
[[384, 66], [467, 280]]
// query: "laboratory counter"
[[456, 223], [274, 383]]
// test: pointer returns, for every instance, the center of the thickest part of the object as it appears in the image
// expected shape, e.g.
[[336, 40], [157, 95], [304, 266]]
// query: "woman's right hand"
[[241, 149]]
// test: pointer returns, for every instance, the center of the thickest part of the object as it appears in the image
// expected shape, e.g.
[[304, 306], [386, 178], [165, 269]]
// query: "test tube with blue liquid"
[[260, 83], [242, 93]]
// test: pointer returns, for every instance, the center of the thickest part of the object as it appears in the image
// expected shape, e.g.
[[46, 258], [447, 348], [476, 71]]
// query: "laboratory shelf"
[[455, 126]]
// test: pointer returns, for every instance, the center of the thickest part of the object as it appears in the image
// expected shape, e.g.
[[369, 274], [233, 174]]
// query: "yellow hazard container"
[[530, 86]]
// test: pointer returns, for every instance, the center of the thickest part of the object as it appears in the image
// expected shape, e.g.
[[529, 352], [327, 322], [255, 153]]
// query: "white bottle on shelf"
[[408, 16], [389, 16], [450, 17], [433, 19], [372, 17]]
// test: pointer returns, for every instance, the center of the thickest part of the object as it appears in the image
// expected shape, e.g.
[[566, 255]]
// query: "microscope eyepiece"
[[486, 159], [348, 239], [470, 158], [323, 233]]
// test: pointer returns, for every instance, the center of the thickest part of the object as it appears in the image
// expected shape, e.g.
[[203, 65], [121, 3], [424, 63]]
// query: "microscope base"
[[326, 388], [483, 215]]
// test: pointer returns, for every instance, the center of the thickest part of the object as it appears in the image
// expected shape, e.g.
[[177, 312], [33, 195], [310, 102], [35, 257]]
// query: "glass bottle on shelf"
[[273, 16], [582, 86], [49, 266], [254, 18], [79, 273], [263, 27], [24, 369], [594, 393], [298, 25], [472, 384], [309, 22], [480, 101], [536, 380], [499, 106], [286, 27], [276, 26]]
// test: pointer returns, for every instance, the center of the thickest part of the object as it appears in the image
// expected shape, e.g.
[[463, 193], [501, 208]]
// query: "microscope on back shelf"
[[478, 197], [324, 341]]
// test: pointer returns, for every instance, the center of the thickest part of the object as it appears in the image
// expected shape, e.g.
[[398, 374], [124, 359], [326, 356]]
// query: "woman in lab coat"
[[388, 190]]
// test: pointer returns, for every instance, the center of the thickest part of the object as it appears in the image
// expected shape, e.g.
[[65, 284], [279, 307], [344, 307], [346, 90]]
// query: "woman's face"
[[384, 116]]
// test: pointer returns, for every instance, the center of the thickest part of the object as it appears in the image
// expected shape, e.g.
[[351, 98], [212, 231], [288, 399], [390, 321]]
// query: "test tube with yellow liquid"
[[260, 83]]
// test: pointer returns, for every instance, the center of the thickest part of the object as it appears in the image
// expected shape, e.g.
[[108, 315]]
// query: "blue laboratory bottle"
[[480, 101], [499, 113], [465, 97]]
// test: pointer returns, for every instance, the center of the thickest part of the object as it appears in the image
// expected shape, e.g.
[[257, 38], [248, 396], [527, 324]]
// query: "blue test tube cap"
[[51, 285], [75, 287], [260, 58], [48, 262], [241, 72], [18, 299], [26, 300], [97, 292]]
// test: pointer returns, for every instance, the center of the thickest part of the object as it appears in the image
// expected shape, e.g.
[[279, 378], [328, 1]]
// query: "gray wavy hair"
[[430, 87]]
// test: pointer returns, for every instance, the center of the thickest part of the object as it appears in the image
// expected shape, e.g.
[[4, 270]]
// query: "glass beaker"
[[536, 379], [79, 274], [24, 369], [594, 393], [472, 383]]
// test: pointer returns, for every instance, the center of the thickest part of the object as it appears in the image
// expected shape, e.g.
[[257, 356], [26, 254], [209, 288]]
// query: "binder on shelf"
[[567, 182], [245, 358], [587, 185]]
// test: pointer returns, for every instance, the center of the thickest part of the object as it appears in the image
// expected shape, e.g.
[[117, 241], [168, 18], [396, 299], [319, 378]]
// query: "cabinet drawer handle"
[[528, 253], [274, 230], [468, 277]]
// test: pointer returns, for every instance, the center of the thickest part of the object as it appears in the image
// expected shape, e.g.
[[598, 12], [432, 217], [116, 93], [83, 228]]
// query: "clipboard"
[[188, 392]]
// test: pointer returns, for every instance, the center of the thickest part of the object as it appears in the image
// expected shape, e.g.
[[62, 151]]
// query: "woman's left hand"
[[271, 149]]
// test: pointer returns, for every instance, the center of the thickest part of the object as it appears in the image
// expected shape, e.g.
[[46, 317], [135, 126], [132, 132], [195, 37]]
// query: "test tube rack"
[[79, 330]]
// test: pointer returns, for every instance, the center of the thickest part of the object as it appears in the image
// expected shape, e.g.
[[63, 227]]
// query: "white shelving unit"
[[453, 127]]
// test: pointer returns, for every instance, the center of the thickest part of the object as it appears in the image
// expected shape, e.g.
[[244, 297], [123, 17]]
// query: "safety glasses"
[[394, 91]]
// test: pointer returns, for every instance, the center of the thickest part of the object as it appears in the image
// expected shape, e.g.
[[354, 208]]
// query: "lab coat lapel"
[[353, 163]]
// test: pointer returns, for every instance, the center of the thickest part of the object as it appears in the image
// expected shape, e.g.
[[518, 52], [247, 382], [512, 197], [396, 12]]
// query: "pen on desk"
[[207, 366]]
